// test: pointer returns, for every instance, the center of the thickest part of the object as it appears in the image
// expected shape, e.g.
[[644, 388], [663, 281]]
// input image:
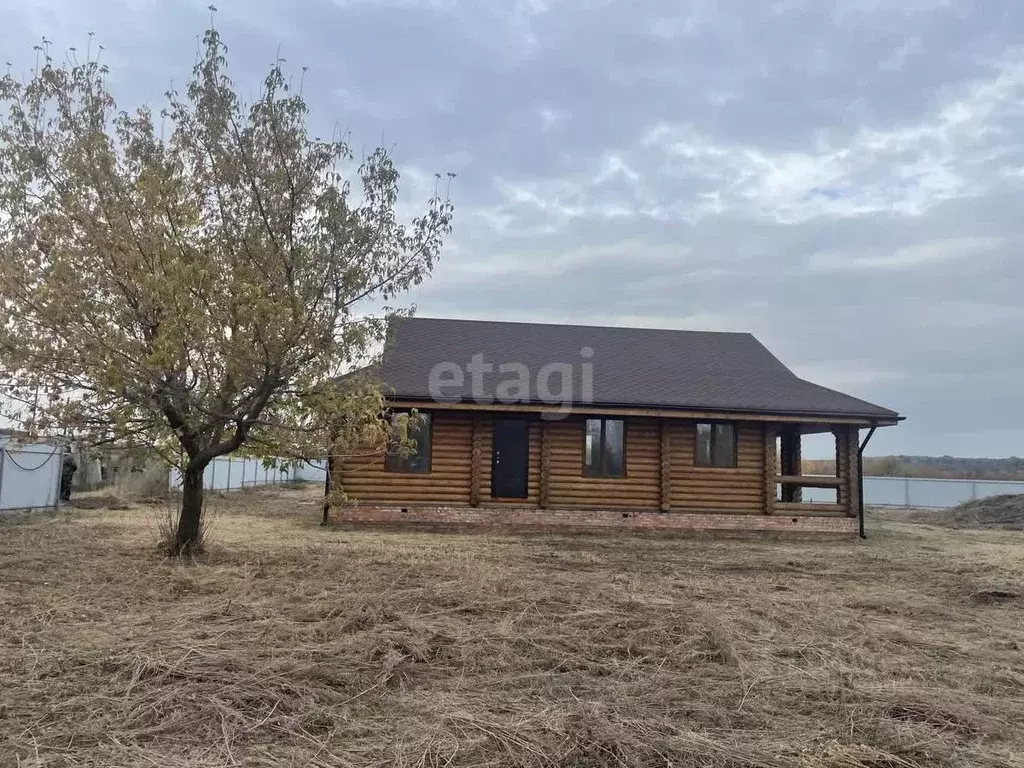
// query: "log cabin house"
[[562, 427]]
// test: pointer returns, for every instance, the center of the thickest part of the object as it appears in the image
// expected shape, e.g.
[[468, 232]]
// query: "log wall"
[[738, 490], [364, 478], [640, 488], [660, 469]]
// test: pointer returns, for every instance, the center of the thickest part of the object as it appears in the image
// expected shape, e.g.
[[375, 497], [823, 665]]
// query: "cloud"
[[537, 264], [849, 375], [676, 171], [908, 257], [844, 178], [969, 317]]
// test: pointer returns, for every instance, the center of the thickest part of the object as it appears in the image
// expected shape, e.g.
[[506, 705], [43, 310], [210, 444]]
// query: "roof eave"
[[872, 419]]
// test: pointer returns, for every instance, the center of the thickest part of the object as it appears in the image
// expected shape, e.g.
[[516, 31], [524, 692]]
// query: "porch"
[[786, 490]]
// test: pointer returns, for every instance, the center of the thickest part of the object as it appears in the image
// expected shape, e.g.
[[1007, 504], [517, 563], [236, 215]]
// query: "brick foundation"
[[528, 519]]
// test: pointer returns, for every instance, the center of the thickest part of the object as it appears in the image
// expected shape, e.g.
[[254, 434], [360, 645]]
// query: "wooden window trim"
[[598, 475], [429, 467], [712, 464]]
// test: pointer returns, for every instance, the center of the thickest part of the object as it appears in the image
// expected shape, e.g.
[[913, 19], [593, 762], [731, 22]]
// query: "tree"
[[195, 280]]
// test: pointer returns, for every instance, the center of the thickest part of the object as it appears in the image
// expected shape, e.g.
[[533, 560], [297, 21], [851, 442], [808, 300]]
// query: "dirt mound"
[[1005, 512], [98, 501]]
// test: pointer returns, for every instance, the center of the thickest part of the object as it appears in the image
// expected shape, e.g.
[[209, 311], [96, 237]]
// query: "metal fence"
[[939, 493], [232, 473], [30, 479], [29, 475]]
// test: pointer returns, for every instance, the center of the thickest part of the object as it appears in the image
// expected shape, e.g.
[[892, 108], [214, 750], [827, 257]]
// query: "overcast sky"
[[842, 178]]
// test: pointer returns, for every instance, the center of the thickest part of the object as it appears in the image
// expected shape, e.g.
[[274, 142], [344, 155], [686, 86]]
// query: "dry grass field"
[[293, 645]]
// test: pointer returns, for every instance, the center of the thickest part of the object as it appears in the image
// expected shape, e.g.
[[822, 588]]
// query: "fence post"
[[3, 453], [906, 491], [56, 484], [231, 461], [213, 474], [974, 490]]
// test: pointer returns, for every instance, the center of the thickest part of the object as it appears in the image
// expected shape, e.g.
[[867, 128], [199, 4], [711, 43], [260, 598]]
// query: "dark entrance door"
[[510, 458]]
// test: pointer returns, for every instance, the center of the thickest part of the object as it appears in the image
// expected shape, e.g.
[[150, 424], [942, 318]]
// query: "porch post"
[[770, 468], [853, 452], [841, 491], [791, 463]]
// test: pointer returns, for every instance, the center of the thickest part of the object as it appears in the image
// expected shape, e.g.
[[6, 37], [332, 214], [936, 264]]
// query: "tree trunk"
[[187, 539], [328, 487]]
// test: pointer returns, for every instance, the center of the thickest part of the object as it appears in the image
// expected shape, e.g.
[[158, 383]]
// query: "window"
[[604, 443], [716, 445], [419, 428]]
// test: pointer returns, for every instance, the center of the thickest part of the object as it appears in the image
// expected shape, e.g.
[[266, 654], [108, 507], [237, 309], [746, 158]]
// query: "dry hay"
[[301, 646]]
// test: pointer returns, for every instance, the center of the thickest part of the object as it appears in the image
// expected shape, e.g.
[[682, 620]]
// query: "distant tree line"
[[929, 466]]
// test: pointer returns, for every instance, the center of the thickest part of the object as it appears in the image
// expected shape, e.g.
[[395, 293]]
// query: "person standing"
[[67, 473]]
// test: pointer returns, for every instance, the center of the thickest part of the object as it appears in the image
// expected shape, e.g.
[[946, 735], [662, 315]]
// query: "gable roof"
[[636, 367]]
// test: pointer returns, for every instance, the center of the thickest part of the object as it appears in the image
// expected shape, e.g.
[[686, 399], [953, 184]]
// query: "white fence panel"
[[29, 475], [939, 493], [230, 473], [925, 492], [885, 491], [997, 488], [314, 472]]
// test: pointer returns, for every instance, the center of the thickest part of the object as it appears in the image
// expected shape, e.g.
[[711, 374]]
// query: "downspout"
[[860, 480]]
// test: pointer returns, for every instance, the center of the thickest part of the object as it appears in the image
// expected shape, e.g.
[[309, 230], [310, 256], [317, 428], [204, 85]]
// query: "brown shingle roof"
[[637, 367]]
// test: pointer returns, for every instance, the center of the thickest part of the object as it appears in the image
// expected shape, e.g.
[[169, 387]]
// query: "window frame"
[[713, 464], [403, 468], [600, 472]]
